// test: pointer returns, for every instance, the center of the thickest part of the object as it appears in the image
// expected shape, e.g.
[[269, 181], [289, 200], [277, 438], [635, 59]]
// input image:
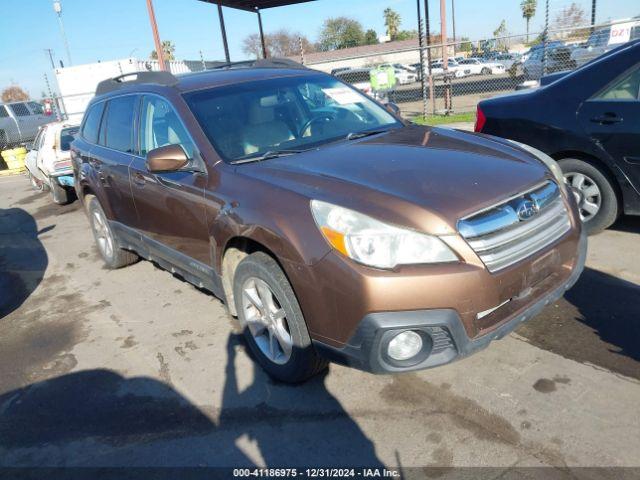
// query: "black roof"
[[253, 5]]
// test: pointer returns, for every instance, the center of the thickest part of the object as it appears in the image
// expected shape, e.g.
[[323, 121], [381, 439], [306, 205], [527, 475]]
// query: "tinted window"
[[92, 123], [20, 110], [160, 126], [36, 108], [66, 137], [117, 128], [626, 87], [3, 112]]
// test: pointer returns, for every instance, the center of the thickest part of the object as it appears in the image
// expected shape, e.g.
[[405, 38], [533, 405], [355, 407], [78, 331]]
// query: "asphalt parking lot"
[[136, 367]]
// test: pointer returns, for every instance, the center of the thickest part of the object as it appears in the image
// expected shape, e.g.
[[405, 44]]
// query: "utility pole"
[[445, 57], [156, 35], [422, 72], [453, 22], [593, 15], [57, 7], [428, 33], [50, 52]]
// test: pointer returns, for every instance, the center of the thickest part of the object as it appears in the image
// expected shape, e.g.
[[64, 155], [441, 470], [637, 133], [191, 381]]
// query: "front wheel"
[[485, 71], [595, 194], [273, 324]]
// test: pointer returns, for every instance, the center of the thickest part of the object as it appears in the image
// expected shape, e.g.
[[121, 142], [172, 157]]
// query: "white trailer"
[[77, 84]]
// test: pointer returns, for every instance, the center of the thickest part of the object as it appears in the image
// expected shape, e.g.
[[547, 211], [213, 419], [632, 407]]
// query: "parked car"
[[340, 70], [600, 41], [458, 71], [331, 228], [508, 60], [404, 74], [49, 161], [360, 78], [478, 67], [19, 122], [558, 58], [589, 121]]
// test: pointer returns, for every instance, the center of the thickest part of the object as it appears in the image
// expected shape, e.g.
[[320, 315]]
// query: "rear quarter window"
[[91, 125], [3, 112]]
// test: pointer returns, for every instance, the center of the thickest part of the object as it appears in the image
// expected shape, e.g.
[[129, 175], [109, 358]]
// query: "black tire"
[[609, 204], [485, 71], [114, 257], [303, 362], [59, 194]]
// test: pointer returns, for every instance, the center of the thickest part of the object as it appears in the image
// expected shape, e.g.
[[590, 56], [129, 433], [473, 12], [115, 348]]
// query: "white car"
[[454, 67], [405, 77], [49, 161], [478, 67]]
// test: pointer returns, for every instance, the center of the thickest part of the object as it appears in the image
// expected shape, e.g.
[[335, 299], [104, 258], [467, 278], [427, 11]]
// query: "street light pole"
[[57, 7]]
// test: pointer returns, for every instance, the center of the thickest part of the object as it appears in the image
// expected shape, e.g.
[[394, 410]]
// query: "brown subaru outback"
[[331, 228]]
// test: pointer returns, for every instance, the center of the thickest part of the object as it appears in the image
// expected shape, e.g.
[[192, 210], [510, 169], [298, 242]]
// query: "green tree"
[[370, 37], [501, 31], [392, 21], [528, 8], [465, 45], [340, 32], [406, 34], [168, 51]]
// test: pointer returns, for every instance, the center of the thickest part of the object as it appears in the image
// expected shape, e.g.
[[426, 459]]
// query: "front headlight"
[[371, 242], [547, 160]]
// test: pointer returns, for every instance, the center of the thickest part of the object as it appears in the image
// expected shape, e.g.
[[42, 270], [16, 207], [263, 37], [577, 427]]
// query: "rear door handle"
[[607, 119]]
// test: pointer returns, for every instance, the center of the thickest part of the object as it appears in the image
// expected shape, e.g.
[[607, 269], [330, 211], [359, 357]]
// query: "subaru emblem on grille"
[[526, 209]]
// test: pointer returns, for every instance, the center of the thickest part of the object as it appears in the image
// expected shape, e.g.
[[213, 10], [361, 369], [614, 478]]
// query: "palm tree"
[[528, 8], [392, 22]]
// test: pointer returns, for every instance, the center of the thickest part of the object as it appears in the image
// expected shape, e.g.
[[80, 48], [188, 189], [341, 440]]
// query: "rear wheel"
[[595, 193], [274, 326], [59, 194], [37, 184], [113, 256], [485, 71]]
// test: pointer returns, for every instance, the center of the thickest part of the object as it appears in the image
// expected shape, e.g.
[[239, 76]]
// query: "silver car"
[[19, 122]]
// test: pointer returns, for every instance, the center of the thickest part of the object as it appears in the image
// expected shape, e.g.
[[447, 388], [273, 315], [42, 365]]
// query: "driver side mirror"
[[169, 158], [393, 108]]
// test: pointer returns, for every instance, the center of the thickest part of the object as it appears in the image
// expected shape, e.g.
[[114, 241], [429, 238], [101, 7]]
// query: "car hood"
[[445, 174]]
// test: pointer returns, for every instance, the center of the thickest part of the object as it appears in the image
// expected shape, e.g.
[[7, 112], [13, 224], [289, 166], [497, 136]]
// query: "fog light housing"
[[405, 345]]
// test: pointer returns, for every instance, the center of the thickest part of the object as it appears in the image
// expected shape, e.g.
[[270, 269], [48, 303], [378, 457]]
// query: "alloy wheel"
[[266, 320], [591, 196], [103, 234]]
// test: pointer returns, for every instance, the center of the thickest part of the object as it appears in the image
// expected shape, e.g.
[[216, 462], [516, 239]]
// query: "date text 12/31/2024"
[[315, 473]]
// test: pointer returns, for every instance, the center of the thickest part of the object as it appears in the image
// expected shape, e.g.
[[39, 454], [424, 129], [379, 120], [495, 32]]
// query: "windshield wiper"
[[266, 156], [367, 133]]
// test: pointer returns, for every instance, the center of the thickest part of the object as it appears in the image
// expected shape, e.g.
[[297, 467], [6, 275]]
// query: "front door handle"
[[607, 119], [139, 179]]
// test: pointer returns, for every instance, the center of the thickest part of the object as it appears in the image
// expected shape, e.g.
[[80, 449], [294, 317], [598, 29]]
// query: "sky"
[[115, 29]]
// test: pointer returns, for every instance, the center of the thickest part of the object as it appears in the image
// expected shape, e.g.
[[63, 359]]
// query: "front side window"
[[291, 113], [160, 126], [91, 124], [36, 108], [20, 109], [117, 127], [3, 112], [626, 88]]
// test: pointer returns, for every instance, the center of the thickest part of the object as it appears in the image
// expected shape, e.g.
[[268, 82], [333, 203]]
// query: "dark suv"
[[331, 228]]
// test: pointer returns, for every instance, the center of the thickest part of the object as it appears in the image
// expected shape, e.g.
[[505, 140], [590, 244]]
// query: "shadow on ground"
[[99, 418], [23, 259], [597, 321]]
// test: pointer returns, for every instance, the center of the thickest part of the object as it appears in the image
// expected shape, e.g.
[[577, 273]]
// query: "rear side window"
[[3, 112], [626, 87], [117, 127], [91, 124], [66, 137], [20, 109]]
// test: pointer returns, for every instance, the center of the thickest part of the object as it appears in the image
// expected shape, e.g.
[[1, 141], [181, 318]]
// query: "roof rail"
[[261, 63], [157, 78]]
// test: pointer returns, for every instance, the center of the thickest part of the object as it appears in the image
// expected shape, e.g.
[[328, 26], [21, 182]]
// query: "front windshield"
[[250, 119]]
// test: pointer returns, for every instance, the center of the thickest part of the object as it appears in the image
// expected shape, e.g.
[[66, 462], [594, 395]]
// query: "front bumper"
[[449, 341]]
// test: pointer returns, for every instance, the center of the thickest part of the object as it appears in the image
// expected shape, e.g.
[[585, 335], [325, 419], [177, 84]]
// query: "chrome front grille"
[[517, 228]]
